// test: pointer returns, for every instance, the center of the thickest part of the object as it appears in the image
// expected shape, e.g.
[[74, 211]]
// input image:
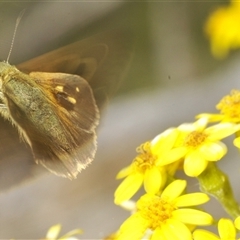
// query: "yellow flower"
[[166, 215], [145, 167], [226, 231], [54, 231], [223, 29], [229, 108], [197, 145]]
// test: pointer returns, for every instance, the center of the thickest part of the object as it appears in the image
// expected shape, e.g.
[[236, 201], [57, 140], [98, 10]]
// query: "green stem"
[[214, 182]]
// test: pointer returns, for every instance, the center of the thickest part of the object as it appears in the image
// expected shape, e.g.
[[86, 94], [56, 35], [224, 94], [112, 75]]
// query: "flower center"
[[195, 139], [156, 211], [230, 106], [145, 158]]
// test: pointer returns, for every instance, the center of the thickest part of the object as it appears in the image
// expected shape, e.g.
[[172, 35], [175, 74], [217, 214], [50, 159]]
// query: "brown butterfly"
[[54, 100]]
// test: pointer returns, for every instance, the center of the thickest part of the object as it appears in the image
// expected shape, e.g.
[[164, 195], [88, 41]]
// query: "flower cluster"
[[166, 214], [164, 211]]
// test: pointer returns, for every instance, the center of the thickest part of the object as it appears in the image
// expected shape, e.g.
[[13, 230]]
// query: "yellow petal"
[[236, 142], [201, 234], [194, 164], [164, 141], [187, 127], [176, 230], [213, 151], [152, 180], [174, 189], [193, 216], [172, 156], [192, 199], [129, 205], [128, 188], [158, 234], [201, 124], [124, 172], [226, 229], [53, 232], [211, 117], [220, 131], [133, 228]]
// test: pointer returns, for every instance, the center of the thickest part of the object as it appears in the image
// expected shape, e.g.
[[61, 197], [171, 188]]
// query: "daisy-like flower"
[[226, 231], [223, 29], [198, 145], [166, 215], [54, 231], [229, 108], [145, 167]]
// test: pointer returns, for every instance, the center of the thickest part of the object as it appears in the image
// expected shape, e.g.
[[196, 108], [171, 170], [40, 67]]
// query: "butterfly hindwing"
[[75, 140]]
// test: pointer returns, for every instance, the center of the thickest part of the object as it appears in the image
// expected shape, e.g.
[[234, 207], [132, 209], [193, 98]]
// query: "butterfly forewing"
[[102, 60]]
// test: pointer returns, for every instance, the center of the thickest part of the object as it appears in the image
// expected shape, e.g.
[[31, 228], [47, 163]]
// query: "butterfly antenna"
[[15, 31]]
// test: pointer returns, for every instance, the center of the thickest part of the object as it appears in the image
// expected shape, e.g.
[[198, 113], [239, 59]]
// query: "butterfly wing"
[[102, 60], [69, 144]]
